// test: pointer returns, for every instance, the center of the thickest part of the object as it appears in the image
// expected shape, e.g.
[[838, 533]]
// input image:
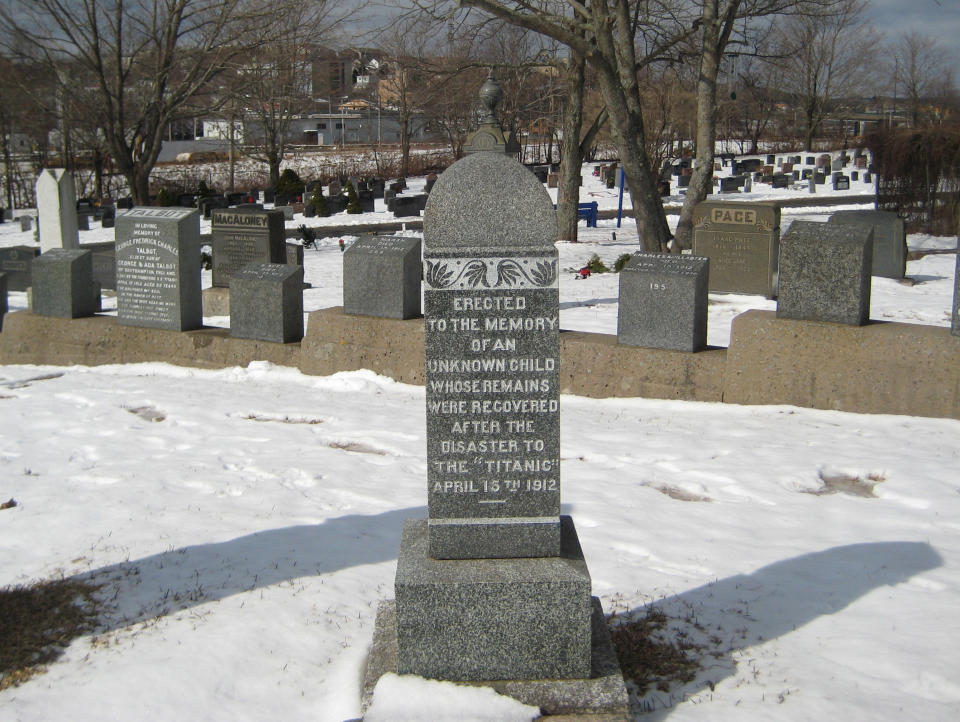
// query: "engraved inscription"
[[147, 277]]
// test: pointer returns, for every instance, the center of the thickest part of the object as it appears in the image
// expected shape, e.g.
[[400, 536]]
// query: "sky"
[[937, 18]]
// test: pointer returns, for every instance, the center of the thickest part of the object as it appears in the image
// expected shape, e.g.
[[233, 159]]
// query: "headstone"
[[334, 188], [63, 286], [812, 184], [867, 178], [15, 262], [742, 241], [823, 161], [747, 185], [663, 187], [406, 206], [266, 302], [109, 218], [770, 159], [841, 183], [83, 221], [287, 212], [861, 162], [26, 223], [381, 277], [779, 180], [854, 175], [104, 263], [242, 236], [825, 273], [729, 185], [309, 211], [125, 203], [663, 302], [388, 195], [367, 202], [428, 184], [683, 181], [57, 209], [889, 239], [158, 268], [819, 178], [553, 180], [294, 254], [807, 173], [811, 160], [493, 446]]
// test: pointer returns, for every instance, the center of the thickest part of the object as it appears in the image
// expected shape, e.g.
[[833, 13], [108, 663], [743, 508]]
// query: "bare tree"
[[829, 58], [272, 82], [922, 71], [146, 60]]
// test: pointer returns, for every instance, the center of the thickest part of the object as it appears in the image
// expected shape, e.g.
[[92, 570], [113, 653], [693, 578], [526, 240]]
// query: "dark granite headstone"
[[158, 268], [741, 240], [381, 277], [663, 302], [683, 181], [779, 180], [854, 175], [294, 254], [841, 183], [367, 203], [729, 184], [63, 284], [825, 273], [242, 236], [15, 261], [404, 206], [104, 263], [811, 160], [889, 239], [266, 302], [109, 218]]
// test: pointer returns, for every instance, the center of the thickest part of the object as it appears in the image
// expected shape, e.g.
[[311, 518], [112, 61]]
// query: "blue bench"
[[587, 211]]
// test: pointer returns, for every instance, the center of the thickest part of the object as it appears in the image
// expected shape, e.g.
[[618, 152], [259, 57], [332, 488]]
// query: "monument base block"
[[485, 619], [600, 697], [494, 538]]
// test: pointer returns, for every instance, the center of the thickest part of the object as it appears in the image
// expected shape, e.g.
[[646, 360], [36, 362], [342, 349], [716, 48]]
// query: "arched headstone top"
[[488, 200]]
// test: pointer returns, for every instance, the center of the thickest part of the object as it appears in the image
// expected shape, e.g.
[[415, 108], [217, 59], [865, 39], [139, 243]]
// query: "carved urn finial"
[[490, 96]]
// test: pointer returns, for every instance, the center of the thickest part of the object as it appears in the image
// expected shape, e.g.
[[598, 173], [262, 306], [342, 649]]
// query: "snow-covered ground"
[[245, 525]]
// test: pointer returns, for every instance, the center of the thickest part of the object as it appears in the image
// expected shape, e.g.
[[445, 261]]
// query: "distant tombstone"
[[334, 188], [406, 206], [663, 302], [795, 175], [15, 262], [388, 196], [287, 212], [378, 185], [747, 185], [109, 218], [812, 184], [266, 302], [26, 223], [861, 162], [807, 173], [63, 284], [242, 236], [867, 177], [819, 178], [742, 241], [787, 168], [811, 160], [854, 175], [125, 203], [683, 181], [294, 254], [57, 209], [770, 159], [823, 161], [841, 183], [381, 277], [158, 268], [779, 180], [337, 204], [309, 211], [889, 239], [83, 221], [825, 273], [553, 180], [104, 263], [663, 187], [431, 179], [367, 202], [729, 185]]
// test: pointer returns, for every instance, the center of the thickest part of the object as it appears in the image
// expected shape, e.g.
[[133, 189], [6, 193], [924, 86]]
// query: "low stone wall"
[[890, 368]]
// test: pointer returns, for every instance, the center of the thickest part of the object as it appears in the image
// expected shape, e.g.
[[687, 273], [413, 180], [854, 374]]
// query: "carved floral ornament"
[[456, 274]]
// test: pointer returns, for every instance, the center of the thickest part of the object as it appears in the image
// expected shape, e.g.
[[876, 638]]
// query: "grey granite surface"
[[63, 284], [158, 268], [889, 239], [266, 302], [825, 273], [16, 261], [381, 277], [663, 302]]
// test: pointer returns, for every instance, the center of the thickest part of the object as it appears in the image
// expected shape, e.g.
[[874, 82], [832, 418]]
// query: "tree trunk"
[[702, 177], [568, 189]]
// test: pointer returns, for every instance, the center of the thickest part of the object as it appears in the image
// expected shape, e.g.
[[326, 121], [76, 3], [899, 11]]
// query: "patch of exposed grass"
[[38, 622], [647, 658]]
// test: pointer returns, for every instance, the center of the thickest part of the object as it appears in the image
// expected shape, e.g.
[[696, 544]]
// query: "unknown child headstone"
[[15, 261], [889, 239], [266, 302], [742, 242], [57, 210], [242, 236], [381, 277], [63, 284], [158, 268], [825, 273], [663, 302], [493, 445]]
